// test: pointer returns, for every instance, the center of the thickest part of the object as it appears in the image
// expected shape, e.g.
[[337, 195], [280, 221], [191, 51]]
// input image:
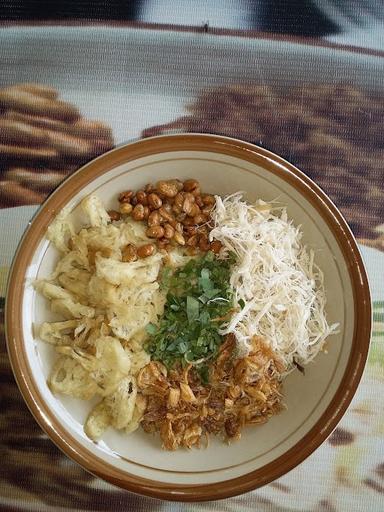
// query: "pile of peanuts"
[[176, 213]]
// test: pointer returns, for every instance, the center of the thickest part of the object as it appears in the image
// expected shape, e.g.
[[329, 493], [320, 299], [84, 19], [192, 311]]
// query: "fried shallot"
[[241, 391]]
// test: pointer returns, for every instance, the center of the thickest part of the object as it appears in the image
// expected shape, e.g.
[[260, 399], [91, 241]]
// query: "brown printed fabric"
[[69, 94]]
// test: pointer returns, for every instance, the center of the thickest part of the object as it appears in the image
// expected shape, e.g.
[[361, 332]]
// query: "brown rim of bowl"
[[361, 336]]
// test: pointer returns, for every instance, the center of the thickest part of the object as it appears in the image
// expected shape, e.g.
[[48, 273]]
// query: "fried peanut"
[[125, 197], [190, 185], [181, 217], [142, 197], [126, 208], [208, 199], [188, 221], [149, 188], [179, 238], [147, 211], [129, 253], [166, 215], [154, 201], [163, 243], [188, 202], [138, 212], [145, 250], [169, 231], [200, 219], [199, 201], [207, 210], [168, 206], [154, 219], [196, 192], [178, 203], [168, 188], [155, 232], [194, 211], [114, 215]]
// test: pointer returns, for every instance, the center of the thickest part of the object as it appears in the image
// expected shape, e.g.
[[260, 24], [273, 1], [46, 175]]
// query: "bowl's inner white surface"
[[306, 397]]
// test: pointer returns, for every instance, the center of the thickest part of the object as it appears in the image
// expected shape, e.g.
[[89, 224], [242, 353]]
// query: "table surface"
[[141, 80]]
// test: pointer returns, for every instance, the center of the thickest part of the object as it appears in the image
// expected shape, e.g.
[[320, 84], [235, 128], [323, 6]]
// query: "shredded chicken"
[[241, 391]]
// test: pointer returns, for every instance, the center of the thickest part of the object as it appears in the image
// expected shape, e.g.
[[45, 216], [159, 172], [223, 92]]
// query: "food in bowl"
[[314, 402], [182, 312]]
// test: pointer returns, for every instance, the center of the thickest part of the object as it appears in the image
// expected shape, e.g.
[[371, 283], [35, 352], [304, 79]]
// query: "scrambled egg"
[[105, 304]]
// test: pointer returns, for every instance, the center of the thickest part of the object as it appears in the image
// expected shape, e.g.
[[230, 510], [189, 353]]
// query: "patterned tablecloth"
[[316, 103]]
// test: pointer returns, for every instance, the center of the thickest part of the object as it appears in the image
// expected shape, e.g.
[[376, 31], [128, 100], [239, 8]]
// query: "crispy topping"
[[242, 391]]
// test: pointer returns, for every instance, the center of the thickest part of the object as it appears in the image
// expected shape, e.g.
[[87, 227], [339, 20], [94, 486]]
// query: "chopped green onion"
[[197, 294], [192, 309], [151, 329]]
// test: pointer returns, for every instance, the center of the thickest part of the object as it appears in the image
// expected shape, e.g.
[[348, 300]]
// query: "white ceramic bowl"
[[315, 402]]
